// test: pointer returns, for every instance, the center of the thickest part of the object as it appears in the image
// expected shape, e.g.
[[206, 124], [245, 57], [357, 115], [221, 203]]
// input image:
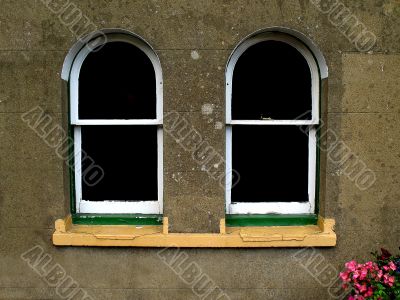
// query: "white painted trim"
[[321, 61], [274, 36], [228, 168], [117, 122], [88, 40], [160, 168], [274, 207], [78, 166], [312, 166], [116, 37], [271, 208], [273, 122], [120, 207], [74, 65]]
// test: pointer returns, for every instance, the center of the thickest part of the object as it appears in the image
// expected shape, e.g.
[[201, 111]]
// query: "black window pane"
[[128, 156], [271, 80], [272, 162], [117, 82]]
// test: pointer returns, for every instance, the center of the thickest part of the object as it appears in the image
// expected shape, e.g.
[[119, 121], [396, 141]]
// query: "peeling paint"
[[195, 55], [218, 125], [177, 177], [270, 237], [207, 109]]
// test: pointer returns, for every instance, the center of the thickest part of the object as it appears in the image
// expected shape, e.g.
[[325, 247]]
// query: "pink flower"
[[392, 266], [363, 288], [351, 265], [363, 274], [362, 278], [385, 277], [368, 264], [369, 292], [344, 276], [386, 268], [356, 274], [391, 280]]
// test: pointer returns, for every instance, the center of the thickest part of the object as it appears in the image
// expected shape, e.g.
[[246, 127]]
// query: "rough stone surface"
[[194, 40]]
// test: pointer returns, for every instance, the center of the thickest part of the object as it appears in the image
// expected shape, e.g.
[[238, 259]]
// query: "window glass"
[[271, 80], [272, 162], [128, 157], [117, 82]]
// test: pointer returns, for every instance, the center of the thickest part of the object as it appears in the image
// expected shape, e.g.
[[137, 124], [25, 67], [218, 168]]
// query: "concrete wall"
[[363, 109]]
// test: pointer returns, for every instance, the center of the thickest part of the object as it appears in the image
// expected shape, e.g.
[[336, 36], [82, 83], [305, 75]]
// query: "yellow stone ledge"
[[68, 234]]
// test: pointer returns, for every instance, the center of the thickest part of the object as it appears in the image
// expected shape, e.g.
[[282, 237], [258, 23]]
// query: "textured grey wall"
[[363, 110]]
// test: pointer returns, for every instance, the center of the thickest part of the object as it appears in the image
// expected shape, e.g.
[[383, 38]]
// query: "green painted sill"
[[116, 219], [231, 220], [271, 220]]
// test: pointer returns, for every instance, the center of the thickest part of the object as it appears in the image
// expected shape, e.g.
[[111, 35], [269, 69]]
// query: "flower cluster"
[[378, 280]]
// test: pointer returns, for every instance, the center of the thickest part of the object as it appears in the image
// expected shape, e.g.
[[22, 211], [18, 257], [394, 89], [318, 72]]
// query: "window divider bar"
[[118, 122], [273, 122]]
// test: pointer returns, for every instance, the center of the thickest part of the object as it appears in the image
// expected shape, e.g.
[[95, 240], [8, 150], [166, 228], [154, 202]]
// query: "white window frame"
[[274, 207], [113, 206]]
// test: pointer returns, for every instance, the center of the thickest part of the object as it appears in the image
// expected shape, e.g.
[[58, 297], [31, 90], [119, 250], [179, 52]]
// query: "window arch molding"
[[288, 32], [319, 72], [76, 56]]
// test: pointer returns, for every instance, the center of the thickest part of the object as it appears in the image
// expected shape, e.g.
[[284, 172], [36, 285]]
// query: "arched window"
[[272, 114], [116, 122]]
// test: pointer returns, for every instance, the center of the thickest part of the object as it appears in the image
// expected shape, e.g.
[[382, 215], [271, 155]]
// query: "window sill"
[[68, 234]]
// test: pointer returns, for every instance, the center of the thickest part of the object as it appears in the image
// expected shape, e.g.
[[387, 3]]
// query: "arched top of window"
[[273, 77], [117, 82], [114, 76]]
